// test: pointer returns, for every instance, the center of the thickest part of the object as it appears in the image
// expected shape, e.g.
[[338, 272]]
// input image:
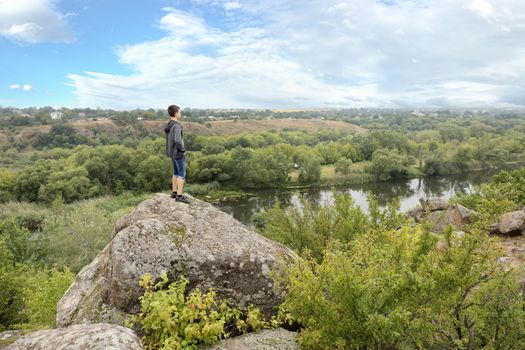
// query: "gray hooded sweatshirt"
[[174, 140]]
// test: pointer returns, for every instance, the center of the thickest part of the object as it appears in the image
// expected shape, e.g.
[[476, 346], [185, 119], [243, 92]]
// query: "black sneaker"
[[182, 199], [173, 194]]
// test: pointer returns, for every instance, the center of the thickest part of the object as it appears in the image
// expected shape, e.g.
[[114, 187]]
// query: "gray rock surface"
[[467, 215], [277, 339], [418, 213], [9, 337], [80, 337], [209, 247], [440, 213], [440, 219], [512, 223], [434, 203]]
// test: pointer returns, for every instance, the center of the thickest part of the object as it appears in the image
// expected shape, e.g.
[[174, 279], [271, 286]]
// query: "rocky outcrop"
[[80, 337], [277, 339], [512, 224], [210, 248], [434, 203], [440, 213], [9, 337], [440, 219], [417, 213]]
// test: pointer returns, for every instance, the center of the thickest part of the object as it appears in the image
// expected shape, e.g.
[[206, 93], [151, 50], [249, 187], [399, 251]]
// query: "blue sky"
[[262, 54]]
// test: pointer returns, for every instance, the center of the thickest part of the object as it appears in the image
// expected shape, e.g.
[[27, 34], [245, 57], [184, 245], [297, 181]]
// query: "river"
[[408, 192]]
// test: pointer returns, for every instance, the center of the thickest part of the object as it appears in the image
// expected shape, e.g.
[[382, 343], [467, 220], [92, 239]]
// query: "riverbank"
[[356, 175]]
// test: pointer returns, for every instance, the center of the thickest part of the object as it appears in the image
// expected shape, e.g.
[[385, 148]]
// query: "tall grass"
[[70, 236]]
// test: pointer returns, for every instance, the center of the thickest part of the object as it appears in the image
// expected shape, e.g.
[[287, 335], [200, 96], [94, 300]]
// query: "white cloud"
[[232, 5], [24, 87], [419, 53], [483, 7], [33, 21]]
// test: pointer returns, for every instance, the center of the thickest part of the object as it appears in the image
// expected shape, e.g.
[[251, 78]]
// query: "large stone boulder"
[[512, 223], [440, 219], [467, 215], [80, 337], [417, 213], [9, 337], [277, 339], [440, 213], [434, 203], [209, 247]]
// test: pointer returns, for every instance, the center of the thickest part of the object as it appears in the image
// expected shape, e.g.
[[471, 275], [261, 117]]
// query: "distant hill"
[[232, 127], [220, 128]]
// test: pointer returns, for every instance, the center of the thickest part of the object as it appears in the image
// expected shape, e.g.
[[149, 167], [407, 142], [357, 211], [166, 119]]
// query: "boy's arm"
[[178, 138], [169, 143]]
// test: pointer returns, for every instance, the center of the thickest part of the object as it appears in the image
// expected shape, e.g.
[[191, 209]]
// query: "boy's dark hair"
[[173, 109]]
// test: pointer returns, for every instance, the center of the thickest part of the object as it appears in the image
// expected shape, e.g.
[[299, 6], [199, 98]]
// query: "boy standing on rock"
[[175, 150]]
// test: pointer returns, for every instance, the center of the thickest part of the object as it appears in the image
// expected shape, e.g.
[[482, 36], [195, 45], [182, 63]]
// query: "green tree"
[[29, 179], [7, 180], [342, 165], [71, 184], [388, 164], [310, 165], [153, 174]]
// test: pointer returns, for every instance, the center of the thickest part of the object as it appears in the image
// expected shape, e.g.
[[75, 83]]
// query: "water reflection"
[[408, 192]]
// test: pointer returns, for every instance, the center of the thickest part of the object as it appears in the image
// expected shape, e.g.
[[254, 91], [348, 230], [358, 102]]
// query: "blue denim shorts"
[[179, 168]]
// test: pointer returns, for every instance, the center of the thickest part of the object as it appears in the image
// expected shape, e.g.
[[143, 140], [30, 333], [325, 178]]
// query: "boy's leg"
[[182, 175], [174, 184], [180, 186]]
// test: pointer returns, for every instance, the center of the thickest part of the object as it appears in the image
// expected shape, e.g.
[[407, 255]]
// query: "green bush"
[[29, 294], [63, 235], [170, 319], [41, 290], [75, 234], [7, 179], [17, 240], [202, 189], [514, 184], [395, 290], [342, 165], [505, 193], [312, 227], [11, 297]]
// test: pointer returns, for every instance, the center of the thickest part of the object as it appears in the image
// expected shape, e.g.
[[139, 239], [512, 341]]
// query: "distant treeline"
[[369, 117], [254, 160]]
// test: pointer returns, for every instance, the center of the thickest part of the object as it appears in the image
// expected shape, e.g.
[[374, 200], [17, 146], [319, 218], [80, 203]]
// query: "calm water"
[[408, 191]]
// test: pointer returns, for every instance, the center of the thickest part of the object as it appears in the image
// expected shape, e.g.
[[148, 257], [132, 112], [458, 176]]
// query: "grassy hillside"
[[219, 128], [231, 127]]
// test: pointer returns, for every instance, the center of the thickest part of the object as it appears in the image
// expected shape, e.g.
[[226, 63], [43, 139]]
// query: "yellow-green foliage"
[[7, 178], [39, 247], [505, 193], [171, 320], [41, 290], [407, 289], [65, 235], [312, 227], [29, 294]]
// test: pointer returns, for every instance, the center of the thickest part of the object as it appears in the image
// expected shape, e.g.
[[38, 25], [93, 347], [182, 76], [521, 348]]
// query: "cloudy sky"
[[262, 53]]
